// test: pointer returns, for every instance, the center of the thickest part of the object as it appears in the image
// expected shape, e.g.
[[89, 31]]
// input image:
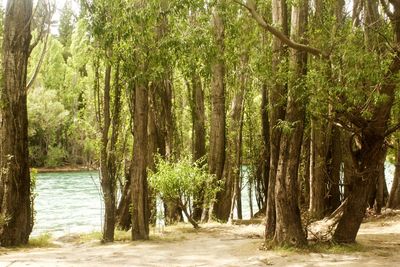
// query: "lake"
[[71, 202]]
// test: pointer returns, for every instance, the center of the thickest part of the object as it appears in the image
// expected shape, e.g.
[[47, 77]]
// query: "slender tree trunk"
[[140, 205], [15, 183], [318, 172], [216, 159], [289, 229], [277, 112], [198, 135], [106, 179]]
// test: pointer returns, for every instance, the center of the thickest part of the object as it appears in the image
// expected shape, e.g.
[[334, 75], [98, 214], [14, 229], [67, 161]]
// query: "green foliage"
[[55, 156], [181, 180]]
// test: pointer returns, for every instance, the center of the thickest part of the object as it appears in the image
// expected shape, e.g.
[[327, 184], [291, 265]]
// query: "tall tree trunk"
[[198, 135], [394, 197], [289, 229], [15, 191], [107, 183], [318, 169], [234, 150], [140, 204], [216, 159], [277, 111]]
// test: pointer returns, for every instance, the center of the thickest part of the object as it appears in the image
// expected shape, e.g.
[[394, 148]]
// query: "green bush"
[[180, 181]]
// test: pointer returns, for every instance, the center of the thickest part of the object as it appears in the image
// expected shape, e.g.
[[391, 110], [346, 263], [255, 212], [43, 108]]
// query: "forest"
[[191, 101]]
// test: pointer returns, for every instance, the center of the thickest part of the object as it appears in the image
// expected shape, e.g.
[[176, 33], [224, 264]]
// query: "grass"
[[43, 241], [326, 248]]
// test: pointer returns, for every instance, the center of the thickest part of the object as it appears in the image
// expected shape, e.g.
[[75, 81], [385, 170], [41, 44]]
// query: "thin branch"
[[39, 64], [392, 129], [250, 6]]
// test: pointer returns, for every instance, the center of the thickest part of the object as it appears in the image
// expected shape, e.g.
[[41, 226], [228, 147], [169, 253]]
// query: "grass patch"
[[43, 241], [326, 248]]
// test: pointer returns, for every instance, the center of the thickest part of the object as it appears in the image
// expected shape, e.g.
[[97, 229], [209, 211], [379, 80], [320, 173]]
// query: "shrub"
[[180, 181]]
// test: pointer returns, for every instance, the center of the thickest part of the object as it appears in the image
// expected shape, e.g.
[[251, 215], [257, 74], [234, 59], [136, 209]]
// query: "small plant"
[[180, 181]]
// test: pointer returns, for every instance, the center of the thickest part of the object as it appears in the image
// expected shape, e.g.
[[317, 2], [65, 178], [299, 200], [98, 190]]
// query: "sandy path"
[[215, 245]]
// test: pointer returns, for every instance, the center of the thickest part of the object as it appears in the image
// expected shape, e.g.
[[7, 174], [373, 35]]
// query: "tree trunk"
[[216, 159], [140, 205], [105, 174], [123, 214], [198, 135], [15, 183], [289, 229], [394, 197], [318, 169], [277, 111]]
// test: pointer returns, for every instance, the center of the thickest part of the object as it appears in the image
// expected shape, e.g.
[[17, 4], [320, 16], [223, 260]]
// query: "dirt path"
[[214, 245]]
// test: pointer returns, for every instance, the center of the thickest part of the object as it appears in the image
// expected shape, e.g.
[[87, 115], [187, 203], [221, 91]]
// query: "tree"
[[216, 156], [15, 194]]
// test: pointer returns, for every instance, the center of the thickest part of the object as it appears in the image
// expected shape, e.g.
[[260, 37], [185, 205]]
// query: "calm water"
[[71, 202]]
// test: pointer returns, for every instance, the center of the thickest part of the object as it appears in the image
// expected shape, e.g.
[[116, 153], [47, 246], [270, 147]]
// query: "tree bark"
[[198, 135], [15, 183], [289, 229], [140, 204], [221, 207], [277, 111]]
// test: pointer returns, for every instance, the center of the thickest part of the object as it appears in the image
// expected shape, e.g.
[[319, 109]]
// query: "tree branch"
[[250, 6]]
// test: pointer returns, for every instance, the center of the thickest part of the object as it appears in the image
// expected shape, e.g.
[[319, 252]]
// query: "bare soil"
[[214, 245]]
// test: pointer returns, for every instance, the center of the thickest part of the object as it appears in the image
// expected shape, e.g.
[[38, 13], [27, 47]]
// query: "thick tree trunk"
[[277, 111], [216, 159], [394, 197], [140, 204], [15, 191], [289, 229]]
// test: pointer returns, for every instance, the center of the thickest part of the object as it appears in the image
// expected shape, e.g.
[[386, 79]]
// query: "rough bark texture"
[[216, 159], [15, 194], [140, 204], [198, 135], [277, 111], [289, 230]]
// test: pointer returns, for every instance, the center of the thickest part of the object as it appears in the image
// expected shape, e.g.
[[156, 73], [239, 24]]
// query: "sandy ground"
[[213, 245]]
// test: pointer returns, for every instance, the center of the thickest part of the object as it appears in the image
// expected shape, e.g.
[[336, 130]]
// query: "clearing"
[[214, 245]]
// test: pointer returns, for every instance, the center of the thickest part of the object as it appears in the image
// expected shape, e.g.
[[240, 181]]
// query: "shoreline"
[[64, 169]]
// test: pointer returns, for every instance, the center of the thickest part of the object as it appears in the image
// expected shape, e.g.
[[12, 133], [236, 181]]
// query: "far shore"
[[65, 169]]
